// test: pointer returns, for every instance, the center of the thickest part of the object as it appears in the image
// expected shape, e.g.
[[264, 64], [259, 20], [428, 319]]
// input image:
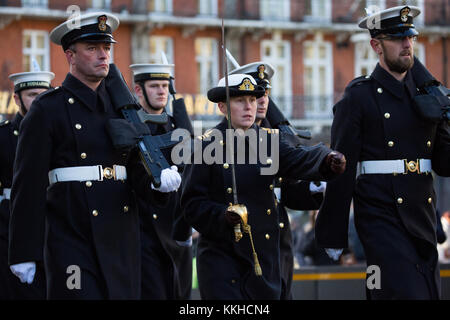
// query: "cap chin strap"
[[22, 108], [141, 84]]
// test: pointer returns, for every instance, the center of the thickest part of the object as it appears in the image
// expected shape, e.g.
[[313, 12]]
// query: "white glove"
[[334, 253], [24, 271], [170, 180], [317, 189]]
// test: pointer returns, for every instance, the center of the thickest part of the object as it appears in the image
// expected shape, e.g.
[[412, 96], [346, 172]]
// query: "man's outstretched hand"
[[335, 161]]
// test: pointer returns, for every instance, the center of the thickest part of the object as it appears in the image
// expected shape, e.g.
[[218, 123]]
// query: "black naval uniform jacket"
[[166, 265], [91, 225], [295, 195], [9, 133], [225, 267], [375, 120], [10, 285]]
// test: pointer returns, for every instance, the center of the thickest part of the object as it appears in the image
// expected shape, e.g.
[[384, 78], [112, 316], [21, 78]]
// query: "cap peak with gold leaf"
[[239, 85], [261, 71], [89, 27], [395, 22]]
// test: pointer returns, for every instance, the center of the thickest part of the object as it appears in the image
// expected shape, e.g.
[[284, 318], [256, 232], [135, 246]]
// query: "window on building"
[[160, 6], [35, 3], [317, 10], [420, 20], [365, 58], [277, 52], [158, 44], [36, 46], [99, 5], [275, 9], [111, 54], [419, 51], [234, 47], [318, 78], [374, 5], [207, 58], [207, 7]]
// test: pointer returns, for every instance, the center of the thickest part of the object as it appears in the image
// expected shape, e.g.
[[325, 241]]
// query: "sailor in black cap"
[[297, 195], [72, 190], [166, 263], [249, 268], [394, 149], [27, 86]]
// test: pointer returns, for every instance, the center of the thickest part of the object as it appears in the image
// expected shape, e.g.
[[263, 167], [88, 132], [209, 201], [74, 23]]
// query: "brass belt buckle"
[[109, 173], [412, 166]]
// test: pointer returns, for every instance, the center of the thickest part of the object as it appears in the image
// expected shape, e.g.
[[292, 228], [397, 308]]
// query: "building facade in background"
[[315, 46]]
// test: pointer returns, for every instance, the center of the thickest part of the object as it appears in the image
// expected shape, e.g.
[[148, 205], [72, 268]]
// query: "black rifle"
[[433, 100], [132, 131], [278, 120], [179, 112]]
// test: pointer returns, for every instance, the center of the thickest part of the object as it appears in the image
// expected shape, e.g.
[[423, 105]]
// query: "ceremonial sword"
[[237, 208]]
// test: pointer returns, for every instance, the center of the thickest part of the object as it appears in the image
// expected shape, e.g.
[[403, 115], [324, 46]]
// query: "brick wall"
[[11, 49], [187, 8], [64, 4]]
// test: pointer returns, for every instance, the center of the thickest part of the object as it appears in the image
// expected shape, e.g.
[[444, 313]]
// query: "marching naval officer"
[[228, 269], [70, 183], [297, 195], [378, 130]]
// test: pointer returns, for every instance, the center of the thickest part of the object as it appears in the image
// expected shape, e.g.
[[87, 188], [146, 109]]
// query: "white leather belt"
[[87, 173], [394, 166]]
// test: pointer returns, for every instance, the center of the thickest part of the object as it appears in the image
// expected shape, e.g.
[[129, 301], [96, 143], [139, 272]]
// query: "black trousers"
[[409, 266]]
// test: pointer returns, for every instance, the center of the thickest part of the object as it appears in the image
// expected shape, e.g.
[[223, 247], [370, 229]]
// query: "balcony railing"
[[35, 3], [437, 12], [200, 108]]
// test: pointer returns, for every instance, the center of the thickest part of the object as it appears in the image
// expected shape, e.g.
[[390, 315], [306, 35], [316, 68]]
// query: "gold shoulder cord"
[[258, 270]]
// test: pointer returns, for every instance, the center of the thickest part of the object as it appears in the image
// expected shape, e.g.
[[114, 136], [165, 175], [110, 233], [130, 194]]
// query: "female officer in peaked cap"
[[229, 269], [297, 194]]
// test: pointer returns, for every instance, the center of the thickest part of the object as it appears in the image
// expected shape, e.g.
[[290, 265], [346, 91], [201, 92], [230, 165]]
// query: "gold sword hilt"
[[241, 210]]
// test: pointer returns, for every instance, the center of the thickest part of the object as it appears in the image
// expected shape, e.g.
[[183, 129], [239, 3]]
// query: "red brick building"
[[315, 46]]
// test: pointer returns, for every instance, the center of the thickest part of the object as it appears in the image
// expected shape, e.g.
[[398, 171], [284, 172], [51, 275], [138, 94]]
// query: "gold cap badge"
[[261, 70], [404, 14], [246, 85], [102, 23]]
